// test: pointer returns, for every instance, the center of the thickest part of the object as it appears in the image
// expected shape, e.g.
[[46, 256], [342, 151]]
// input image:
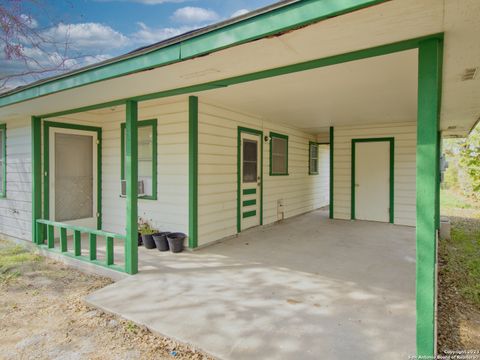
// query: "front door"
[[73, 176], [372, 181], [250, 179]]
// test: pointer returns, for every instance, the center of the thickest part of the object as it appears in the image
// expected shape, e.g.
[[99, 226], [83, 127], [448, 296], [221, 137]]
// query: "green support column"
[[193, 172], [437, 188], [429, 88], [331, 173], [36, 129], [131, 177]]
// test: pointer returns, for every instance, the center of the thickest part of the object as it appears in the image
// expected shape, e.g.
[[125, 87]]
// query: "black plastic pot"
[[140, 241], [175, 242], [161, 241], [148, 241]]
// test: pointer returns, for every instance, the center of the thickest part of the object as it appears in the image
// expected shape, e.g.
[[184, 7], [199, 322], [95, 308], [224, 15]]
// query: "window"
[[278, 154], [147, 158], [250, 151], [3, 160], [313, 159]]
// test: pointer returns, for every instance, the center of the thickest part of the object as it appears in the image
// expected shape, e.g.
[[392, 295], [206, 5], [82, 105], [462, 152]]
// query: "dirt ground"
[[43, 316], [459, 311]]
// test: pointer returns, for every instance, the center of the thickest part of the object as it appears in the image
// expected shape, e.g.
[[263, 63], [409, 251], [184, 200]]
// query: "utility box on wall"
[[280, 210]]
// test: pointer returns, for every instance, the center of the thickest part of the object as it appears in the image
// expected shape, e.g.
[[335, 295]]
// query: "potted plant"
[[147, 232], [161, 241], [175, 242]]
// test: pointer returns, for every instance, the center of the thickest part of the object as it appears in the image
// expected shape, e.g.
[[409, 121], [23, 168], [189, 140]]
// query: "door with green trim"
[[73, 176], [250, 180]]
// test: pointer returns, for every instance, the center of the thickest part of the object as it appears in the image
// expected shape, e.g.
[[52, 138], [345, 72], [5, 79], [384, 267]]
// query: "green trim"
[[310, 144], [278, 136], [193, 171], [46, 164], [391, 141], [248, 214], [430, 57], [271, 22], [131, 167], [264, 74], [437, 187], [36, 155], [332, 183], [143, 123], [241, 130], [249, 202], [3, 190]]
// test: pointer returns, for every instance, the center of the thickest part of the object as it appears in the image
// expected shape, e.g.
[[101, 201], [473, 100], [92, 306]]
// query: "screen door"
[[73, 177], [250, 180]]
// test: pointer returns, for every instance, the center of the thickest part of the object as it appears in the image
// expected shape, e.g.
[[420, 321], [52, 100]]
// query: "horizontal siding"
[[16, 208], [218, 173], [405, 167]]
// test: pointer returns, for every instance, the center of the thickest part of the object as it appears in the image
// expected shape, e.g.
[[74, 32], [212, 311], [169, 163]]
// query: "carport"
[[307, 288]]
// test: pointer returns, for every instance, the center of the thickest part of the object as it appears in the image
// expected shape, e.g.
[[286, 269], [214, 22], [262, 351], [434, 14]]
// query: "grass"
[[462, 251], [12, 259]]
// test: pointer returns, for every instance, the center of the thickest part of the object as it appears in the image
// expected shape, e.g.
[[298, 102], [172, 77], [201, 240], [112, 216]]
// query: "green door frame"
[[46, 164], [241, 130], [391, 141]]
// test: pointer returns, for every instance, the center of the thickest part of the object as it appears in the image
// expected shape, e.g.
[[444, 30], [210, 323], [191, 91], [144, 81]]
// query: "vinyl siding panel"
[[405, 167], [16, 208], [217, 179]]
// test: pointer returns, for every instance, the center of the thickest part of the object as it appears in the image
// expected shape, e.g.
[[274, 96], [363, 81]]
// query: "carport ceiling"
[[370, 91]]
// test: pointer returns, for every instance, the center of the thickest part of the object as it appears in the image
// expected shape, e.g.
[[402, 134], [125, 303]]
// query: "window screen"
[[279, 154], [147, 153], [313, 166], [3, 164], [250, 158], [73, 177]]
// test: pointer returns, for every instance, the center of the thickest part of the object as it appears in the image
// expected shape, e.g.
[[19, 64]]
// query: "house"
[[256, 119]]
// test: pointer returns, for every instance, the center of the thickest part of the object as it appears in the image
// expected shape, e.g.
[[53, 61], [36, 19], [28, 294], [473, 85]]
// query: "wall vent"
[[469, 74]]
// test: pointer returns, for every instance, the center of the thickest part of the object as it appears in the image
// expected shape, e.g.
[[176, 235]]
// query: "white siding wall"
[[16, 208], [218, 173], [405, 149], [170, 210]]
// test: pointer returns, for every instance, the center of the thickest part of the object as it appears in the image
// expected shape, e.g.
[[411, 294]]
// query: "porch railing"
[[48, 227]]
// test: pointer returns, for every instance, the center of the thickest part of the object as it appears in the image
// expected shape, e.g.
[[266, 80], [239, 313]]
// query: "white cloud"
[[240, 12], [148, 2], [194, 15], [88, 37], [147, 35]]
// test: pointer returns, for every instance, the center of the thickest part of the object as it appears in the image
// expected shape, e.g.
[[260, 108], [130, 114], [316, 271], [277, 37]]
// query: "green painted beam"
[[429, 88], [279, 20], [131, 177], [193, 172], [332, 183], [36, 133], [77, 243]]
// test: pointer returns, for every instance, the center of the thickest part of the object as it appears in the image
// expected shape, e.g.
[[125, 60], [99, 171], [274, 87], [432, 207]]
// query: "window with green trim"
[[313, 159], [278, 154], [147, 158], [3, 160]]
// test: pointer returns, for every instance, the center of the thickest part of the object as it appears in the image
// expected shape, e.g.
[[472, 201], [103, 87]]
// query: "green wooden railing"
[[47, 227]]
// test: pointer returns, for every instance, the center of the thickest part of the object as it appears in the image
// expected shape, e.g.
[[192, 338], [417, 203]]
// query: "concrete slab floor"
[[307, 288]]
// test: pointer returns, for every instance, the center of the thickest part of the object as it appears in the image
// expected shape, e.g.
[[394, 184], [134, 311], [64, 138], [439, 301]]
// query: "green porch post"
[[131, 177], [193, 172], [332, 184], [429, 88], [36, 130]]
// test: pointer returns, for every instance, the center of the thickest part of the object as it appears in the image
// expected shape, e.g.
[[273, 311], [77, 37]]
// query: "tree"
[[470, 161], [29, 51]]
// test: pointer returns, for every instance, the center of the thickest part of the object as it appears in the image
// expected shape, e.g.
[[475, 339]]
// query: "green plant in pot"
[[146, 231]]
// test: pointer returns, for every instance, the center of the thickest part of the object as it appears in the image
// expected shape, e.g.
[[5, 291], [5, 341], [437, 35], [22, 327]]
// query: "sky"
[[100, 29]]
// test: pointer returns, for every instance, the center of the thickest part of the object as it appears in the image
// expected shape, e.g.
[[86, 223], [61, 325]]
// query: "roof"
[[279, 17]]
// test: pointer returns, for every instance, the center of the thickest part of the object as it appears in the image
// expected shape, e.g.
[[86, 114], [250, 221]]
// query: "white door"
[[372, 181], [73, 177], [250, 180]]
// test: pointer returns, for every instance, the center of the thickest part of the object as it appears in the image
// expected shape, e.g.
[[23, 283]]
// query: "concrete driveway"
[[307, 288]]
